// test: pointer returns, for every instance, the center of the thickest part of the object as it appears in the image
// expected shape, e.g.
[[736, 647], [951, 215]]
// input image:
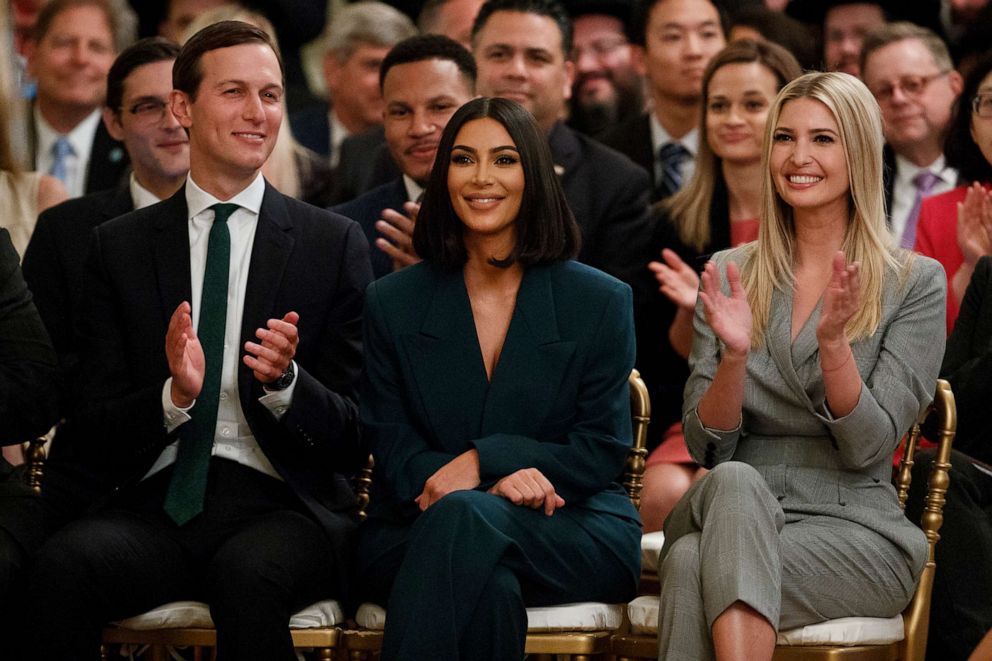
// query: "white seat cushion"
[[847, 631], [651, 544], [196, 615], [585, 616], [643, 614]]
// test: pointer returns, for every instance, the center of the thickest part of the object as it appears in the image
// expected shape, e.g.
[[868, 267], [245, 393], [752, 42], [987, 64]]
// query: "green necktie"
[[184, 499]]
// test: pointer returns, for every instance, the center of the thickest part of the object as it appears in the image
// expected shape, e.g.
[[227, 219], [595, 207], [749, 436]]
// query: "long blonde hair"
[[767, 264], [689, 208]]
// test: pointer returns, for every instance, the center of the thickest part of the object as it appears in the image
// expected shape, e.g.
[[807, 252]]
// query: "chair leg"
[[325, 654], [104, 652]]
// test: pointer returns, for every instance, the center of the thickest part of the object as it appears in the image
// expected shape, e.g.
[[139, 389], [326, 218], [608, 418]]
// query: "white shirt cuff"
[[278, 401], [172, 415]]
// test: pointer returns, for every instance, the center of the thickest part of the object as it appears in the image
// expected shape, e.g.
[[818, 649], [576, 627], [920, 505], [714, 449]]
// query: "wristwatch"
[[285, 379]]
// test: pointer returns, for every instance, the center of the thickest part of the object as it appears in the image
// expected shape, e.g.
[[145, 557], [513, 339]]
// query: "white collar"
[[141, 196], [199, 200], [660, 137], [413, 189], [80, 137]]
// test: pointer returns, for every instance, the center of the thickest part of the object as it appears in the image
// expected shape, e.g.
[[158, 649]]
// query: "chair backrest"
[[36, 455], [916, 617], [640, 413]]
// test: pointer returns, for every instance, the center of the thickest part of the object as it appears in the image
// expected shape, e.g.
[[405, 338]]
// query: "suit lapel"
[[779, 339], [171, 253], [532, 363], [120, 204], [269, 255]]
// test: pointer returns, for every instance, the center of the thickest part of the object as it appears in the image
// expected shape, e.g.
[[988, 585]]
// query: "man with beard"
[[608, 88]]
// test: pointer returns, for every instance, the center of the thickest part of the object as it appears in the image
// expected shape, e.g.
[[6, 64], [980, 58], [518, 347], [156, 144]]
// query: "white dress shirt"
[[660, 138], [76, 164], [413, 189], [233, 438], [141, 196], [338, 134], [904, 190]]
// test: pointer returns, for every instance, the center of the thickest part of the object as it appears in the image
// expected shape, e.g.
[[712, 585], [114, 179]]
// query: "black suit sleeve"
[[968, 365], [44, 274], [28, 367]]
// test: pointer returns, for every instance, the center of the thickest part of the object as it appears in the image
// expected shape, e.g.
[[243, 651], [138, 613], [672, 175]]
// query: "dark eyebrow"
[[148, 98], [494, 149]]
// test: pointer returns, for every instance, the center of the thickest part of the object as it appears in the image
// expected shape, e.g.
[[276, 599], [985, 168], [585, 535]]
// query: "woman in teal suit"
[[496, 404]]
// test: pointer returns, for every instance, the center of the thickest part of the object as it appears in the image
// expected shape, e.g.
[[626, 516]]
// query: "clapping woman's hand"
[[974, 228], [676, 279], [841, 300], [728, 316]]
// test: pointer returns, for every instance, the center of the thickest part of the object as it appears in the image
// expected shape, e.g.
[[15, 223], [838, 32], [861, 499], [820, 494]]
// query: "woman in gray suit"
[[815, 348]]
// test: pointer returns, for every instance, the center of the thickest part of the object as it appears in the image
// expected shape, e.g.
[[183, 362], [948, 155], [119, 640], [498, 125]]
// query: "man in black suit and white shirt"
[[232, 441], [74, 44]]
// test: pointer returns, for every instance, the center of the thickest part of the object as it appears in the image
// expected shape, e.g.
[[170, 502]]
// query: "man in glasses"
[[138, 89], [910, 72], [607, 89]]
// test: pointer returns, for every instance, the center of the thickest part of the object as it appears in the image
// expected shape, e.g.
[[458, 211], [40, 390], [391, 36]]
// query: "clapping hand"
[[279, 339], [728, 316], [974, 228], [185, 356], [678, 281], [841, 300], [529, 488], [397, 235]]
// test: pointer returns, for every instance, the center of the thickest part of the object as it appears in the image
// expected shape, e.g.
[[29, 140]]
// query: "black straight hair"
[[546, 229]]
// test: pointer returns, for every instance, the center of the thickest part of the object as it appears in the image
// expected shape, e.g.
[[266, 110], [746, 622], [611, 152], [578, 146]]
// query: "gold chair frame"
[[916, 616], [574, 645]]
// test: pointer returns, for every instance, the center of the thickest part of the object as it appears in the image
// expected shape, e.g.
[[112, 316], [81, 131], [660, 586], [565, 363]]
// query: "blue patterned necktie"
[[672, 155], [61, 150], [188, 485]]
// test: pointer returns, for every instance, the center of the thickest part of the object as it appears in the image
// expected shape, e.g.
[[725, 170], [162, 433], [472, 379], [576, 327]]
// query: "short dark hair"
[[642, 12], [142, 52], [546, 228], [550, 8], [187, 74], [960, 149], [429, 47]]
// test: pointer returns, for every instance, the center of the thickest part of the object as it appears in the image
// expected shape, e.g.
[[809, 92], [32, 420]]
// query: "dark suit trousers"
[[460, 577], [961, 602], [253, 554]]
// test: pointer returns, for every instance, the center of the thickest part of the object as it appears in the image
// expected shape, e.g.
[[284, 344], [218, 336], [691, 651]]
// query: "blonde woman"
[[815, 348]]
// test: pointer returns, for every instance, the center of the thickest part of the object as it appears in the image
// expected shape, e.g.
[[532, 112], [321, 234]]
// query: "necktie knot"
[[61, 150], [671, 155], [925, 181], [223, 211]]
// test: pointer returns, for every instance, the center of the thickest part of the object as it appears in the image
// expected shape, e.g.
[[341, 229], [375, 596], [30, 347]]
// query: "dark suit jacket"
[[54, 268], [109, 162], [366, 210], [28, 389], [968, 365], [632, 138], [303, 259], [558, 400], [311, 128]]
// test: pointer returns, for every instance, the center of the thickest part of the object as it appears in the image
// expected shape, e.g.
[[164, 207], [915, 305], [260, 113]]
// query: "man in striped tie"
[[222, 334]]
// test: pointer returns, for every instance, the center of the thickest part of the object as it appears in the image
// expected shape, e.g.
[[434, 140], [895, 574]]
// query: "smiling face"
[[603, 60], [156, 144], [807, 161], [486, 184], [739, 97], [520, 58], [234, 120], [420, 99]]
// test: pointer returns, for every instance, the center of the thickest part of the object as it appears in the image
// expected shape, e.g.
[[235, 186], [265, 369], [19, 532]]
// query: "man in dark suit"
[[74, 45], [521, 48], [136, 112], [28, 407], [676, 39], [230, 442], [424, 80]]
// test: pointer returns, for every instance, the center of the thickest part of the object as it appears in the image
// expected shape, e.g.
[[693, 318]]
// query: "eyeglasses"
[[912, 86], [149, 111], [600, 48], [981, 105]]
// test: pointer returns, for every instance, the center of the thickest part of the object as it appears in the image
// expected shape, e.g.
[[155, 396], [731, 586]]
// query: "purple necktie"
[[924, 182]]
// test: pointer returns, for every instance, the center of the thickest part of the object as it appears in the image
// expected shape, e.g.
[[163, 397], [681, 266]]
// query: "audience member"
[[137, 113], [180, 14], [451, 18], [494, 483], [293, 169], [356, 40], [521, 48], [677, 39], [761, 23], [910, 72], [28, 408], [717, 208], [424, 79], [961, 601], [815, 349], [955, 228], [228, 445], [75, 42], [845, 24], [608, 89]]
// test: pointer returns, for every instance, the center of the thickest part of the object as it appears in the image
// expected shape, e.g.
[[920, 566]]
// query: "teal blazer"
[[558, 400]]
